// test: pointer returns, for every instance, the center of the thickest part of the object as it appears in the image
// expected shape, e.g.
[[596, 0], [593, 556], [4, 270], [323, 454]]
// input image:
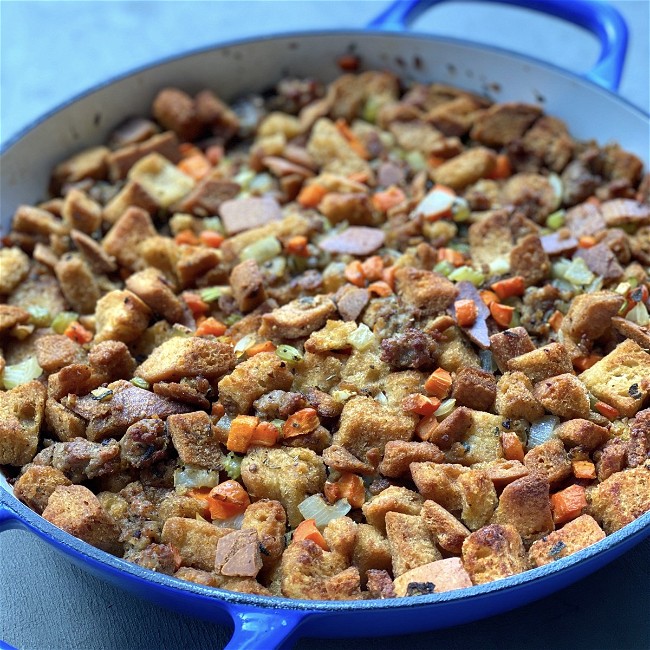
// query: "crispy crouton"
[[515, 398], [14, 266], [493, 552], [528, 260], [62, 422], [411, 544], [500, 124], [573, 536], [38, 222], [509, 344], [56, 351], [111, 360], [334, 336], [465, 168], [320, 370], [365, 372], [610, 378], [37, 483], [590, 314], [89, 163], [455, 353], [550, 460], [525, 505], [193, 439], [392, 499], [253, 378], [165, 182], [77, 283], [248, 285], [132, 194], [474, 388], [194, 262], [287, 475], [81, 212], [563, 395], [583, 433], [611, 459], [75, 509], [544, 362], [11, 316], [76, 379], [371, 550], [435, 577], [21, 414], [452, 429], [478, 498], [121, 316], [121, 160], [176, 110], [438, 482], [269, 519], [161, 253], [366, 424], [98, 259], [209, 579], [399, 454], [621, 498], [153, 288], [448, 532], [340, 534], [181, 357], [481, 443], [196, 540], [423, 290], [502, 471], [298, 318], [332, 152], [123, 240]]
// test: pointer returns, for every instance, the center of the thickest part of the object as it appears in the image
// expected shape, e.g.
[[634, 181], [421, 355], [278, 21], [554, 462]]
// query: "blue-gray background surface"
[[51, 51]]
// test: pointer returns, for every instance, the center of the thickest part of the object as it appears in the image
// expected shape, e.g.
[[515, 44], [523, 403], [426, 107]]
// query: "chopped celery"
[[556, 219], [139, 382], [39, 316], [578, 273], [232, 465], [21, 373], [444, 268], [62, 320], [245, 343], [213, 223], [445, 408], [210, 294], [467, 274], [288, 353], [262, 250], [314, 507], [639, 315]]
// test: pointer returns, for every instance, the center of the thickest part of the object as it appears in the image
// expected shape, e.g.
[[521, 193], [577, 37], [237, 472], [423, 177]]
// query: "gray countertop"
[[51, 51]]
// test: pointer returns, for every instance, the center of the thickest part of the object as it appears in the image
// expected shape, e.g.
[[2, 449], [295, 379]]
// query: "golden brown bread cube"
[[269, 519], [515, 398], [36, 484], [297, 318], [525, 504], [62, 422], [195, 262], [435, 577], [286, 474], [334, 336], [438, 482], [494, 552], [10, 316], [455, 352], [509, 344], [194, 439], [399, 454], [610, 378], [111, 360], [447, 531], [75, 509], [583, 433], [621, 498], [424, 290], [76, 379], [89, 163], [14, 266], [55, 351], [481, 443], [474, 388], [563, 395], [207, 578], [550, 460], [502, 471], [332, 152], [478, 498], [411, 543], [21, 414], [590, 315], [81, 212], [132, 194], [122, 241], [392, 499], [544, 362], [573, 536], [371, 550], [247, 285], [176, 110], [253, 378], [502, 123], [156, 291], [77, 283], [465, 168], [196, 540], [181, 357], [121, 316]]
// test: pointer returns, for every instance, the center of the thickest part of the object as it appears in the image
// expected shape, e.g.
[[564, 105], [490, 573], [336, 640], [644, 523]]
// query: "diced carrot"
[[210, 327], [311, 195], [372, 267], [359, 177], [381, 288], [264, 346], [265, 434], [426, 426], [353, 140], [610, 412], [466, 312], [227, 500], [502, 314], [214, 154], [218, 410], [568, 504], [211, 238], [509, 287], [197, 306], [354, 273], [196, 166], [241, 432], [351, 487], [420, 404], [187, 237], [584, 469], [435, 161], [452, 256], [502, 168], [388, 198], [555, 321], [513, 449], [488, 297], [297, 245], [584, 363], [78, 333], [349, 62], [331, 492], [300, 422], [439, 383], [307, 530], [587, 241], [388, 276]]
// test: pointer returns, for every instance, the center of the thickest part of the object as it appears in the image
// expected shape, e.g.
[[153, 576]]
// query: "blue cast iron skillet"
[[264, 622]]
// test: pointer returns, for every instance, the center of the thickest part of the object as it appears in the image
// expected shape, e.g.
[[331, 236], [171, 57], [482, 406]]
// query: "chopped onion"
[[342, 395], [416, 161], [541, 430], [244, 178], [445, 408], [262, 250], [467, 274], [314, 507], [558, 189], [188, 477], [436, 202], [235, 522], [245, 343], [261, 183], [213, 223], [381, 398], [21, 373], [361, 338], [500, 266], [639, 315], [578, 273]]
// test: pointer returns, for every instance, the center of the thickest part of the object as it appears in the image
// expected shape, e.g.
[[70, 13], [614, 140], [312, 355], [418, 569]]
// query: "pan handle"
[[602, 20], [270, 629]]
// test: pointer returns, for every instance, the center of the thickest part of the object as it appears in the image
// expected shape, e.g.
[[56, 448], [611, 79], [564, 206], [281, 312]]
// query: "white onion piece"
[[314, 507], [232, 522], [188, 477], [541, 430]]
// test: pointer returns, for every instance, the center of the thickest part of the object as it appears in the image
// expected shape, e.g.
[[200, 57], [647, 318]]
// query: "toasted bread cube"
[[132, 194], [465, 168], [478, 498], [411, 544], [181, 357], [269, 519], [253, 378], [448, 532], [494, 552], [549, 460], [123, 240], [297, 318], [62, 422], [547, 361], [10, 316], [111, 360], [81, 212], [287, 475], [455, 353], [340, 534], [392, 499], [196, 541], [515, 398], [563, 395], [194, 440], [435, 577], [334, 336], [371, 550], [209, 579], [322, 370], [610, 379], [502, 471], [621, 498], [509, 344], [121, 316], [573, 536], [482, 442], [77, 283], [195, 262], [247, 284], [583, 433], [590, 314], [161, 179], [399, 454], [76, 379], [438, 482], [56, 351], [21, 414], [155, 290], [525, 504], [475, 388], [424, 290], [14, 266], [75, 509], [89, 163], [36, 484]]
